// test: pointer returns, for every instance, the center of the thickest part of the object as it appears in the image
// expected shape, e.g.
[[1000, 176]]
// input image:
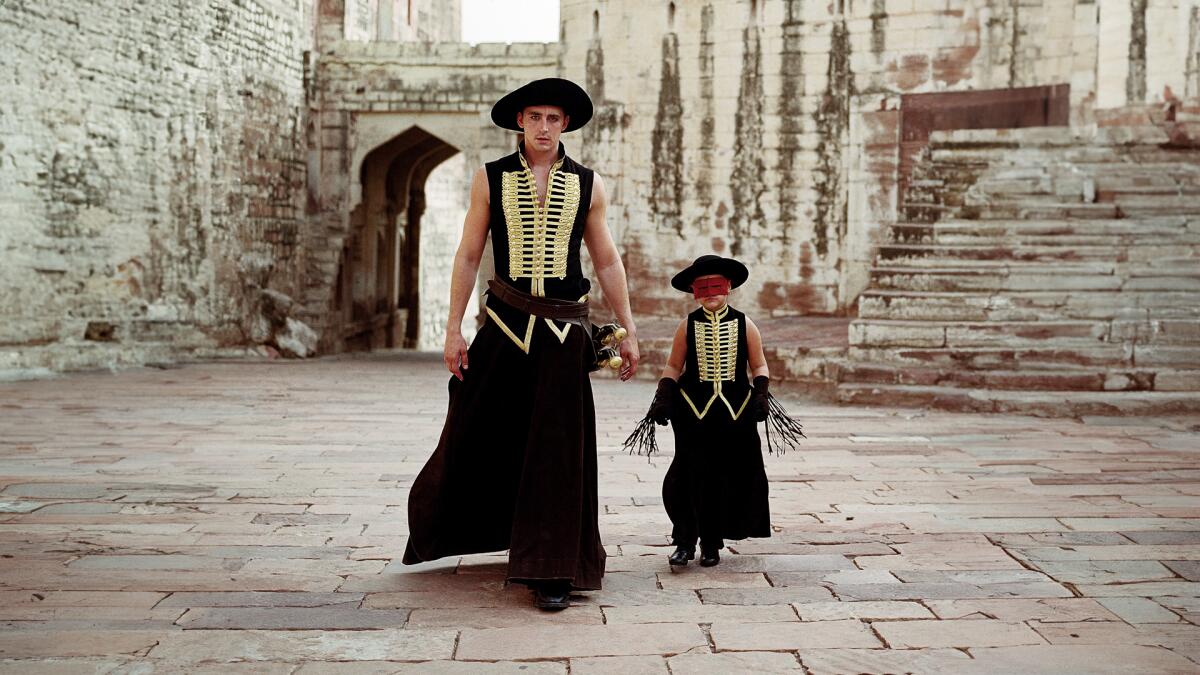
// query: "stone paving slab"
[[792, 635], [550, 641], [429, 668], [620, 665], [224, 646], [339, 617], [249, 518], [959, 634]]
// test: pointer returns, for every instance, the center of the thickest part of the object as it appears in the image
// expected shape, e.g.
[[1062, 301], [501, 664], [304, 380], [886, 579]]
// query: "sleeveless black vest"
[[714, 381], [537, 249]]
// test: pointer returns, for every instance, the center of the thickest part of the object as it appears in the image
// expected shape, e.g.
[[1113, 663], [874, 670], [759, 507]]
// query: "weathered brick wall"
[[767, 129], [152, 171]]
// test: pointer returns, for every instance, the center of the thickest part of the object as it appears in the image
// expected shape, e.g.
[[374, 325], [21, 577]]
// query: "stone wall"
[[769, 129], [402, 20], [152, 169], [153, 164]]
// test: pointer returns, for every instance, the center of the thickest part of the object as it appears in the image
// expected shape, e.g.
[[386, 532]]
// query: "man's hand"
[[455, 353], [629, 357]]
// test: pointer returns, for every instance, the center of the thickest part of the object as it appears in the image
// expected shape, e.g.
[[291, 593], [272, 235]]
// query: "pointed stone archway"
[[377, 290]]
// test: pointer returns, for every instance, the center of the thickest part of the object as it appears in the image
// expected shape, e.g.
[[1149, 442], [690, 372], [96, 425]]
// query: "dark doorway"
[[922, 114], [377, 283]]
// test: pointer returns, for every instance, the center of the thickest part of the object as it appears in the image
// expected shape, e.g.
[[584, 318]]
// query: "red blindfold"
[[704, 288]]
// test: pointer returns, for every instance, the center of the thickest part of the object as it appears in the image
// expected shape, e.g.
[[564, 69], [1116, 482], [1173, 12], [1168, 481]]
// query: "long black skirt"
[[516, 464], [716, 486]]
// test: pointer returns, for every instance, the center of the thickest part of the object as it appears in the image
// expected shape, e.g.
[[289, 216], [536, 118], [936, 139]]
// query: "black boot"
[[709, 556], [552, 596], [681, 556]]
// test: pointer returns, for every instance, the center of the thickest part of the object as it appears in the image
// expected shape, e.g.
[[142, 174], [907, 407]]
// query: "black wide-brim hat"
[[729, 268], [565, 94]]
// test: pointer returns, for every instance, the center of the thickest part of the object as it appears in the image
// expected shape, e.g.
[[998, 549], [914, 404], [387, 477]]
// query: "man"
[[516, 464]]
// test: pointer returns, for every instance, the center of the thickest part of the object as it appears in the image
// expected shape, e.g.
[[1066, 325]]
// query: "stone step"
[[896, 333], [1047, 403], [989, 238], [1147, 252], [1073, 185], [1011, 278], [1036, 357], [1030, 358], [1029, 209], [1028, 305], [1048, 232], [1127, 207], [1078, 379]]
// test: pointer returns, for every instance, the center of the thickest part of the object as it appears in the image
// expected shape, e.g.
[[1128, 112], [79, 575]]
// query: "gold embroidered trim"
[[523, 345], [716, 347], [562, 334], [539, 235], [717, 394]]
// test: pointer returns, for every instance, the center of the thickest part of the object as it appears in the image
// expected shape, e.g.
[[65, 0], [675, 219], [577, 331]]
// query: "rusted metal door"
[[922, 114]]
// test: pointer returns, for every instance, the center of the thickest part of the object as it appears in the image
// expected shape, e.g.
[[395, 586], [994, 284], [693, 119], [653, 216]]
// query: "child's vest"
[[714, 381]]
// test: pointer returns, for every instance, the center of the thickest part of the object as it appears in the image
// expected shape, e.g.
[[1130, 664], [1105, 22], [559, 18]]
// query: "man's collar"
[[562, 153]]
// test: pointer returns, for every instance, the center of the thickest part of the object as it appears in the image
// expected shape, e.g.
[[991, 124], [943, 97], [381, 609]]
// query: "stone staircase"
[[1038, 271]]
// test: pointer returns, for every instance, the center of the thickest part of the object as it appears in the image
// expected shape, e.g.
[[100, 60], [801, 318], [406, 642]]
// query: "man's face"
[[542, 124], [711, 290]]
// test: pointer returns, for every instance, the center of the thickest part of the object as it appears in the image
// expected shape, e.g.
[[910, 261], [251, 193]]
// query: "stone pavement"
[[249, 517]]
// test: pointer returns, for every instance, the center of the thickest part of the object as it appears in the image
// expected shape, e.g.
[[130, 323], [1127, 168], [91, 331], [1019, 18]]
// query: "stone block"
[[337, 617], [835, 611], [706, 613], [792, 636], [577, 641], [766, 663], [511, 616], [960, 634], [1139, 610], [619, 665], [765, 596], [229, 646], [835, 661]]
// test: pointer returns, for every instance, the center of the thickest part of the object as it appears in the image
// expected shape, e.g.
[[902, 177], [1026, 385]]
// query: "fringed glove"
[[663, 405], [783, 432], [760, 405], [642, 441]]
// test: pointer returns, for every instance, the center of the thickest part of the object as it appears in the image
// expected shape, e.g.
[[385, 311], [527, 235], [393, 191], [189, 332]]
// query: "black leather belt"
[[550, 308]]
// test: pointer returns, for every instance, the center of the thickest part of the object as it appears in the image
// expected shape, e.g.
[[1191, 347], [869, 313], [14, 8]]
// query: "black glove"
[[759, 406], [663, 405]]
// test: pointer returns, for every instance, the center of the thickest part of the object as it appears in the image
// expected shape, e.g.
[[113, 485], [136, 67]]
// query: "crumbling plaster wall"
[[152, 171], [767, 129]]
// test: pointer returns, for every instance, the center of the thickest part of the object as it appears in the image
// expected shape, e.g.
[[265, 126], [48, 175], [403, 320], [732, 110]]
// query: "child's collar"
[[717, 315]]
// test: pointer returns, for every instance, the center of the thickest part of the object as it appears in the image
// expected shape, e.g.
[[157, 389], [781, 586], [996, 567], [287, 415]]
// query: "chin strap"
[[642, 440], [787, 431]]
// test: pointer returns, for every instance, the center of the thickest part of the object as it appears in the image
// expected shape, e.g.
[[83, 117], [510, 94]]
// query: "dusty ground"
[[250, 517]]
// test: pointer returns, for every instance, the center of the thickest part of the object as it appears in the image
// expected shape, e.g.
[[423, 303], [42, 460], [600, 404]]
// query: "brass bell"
[[610, 334], [608, 358]]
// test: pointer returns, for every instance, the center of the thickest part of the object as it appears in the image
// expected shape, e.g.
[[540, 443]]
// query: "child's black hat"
[[729, 268]]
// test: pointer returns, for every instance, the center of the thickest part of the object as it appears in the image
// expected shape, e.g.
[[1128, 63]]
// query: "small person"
[[716, 486]]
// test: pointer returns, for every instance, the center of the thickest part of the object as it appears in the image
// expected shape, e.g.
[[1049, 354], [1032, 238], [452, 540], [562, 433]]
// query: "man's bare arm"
[[466, 266], [610, 272]]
